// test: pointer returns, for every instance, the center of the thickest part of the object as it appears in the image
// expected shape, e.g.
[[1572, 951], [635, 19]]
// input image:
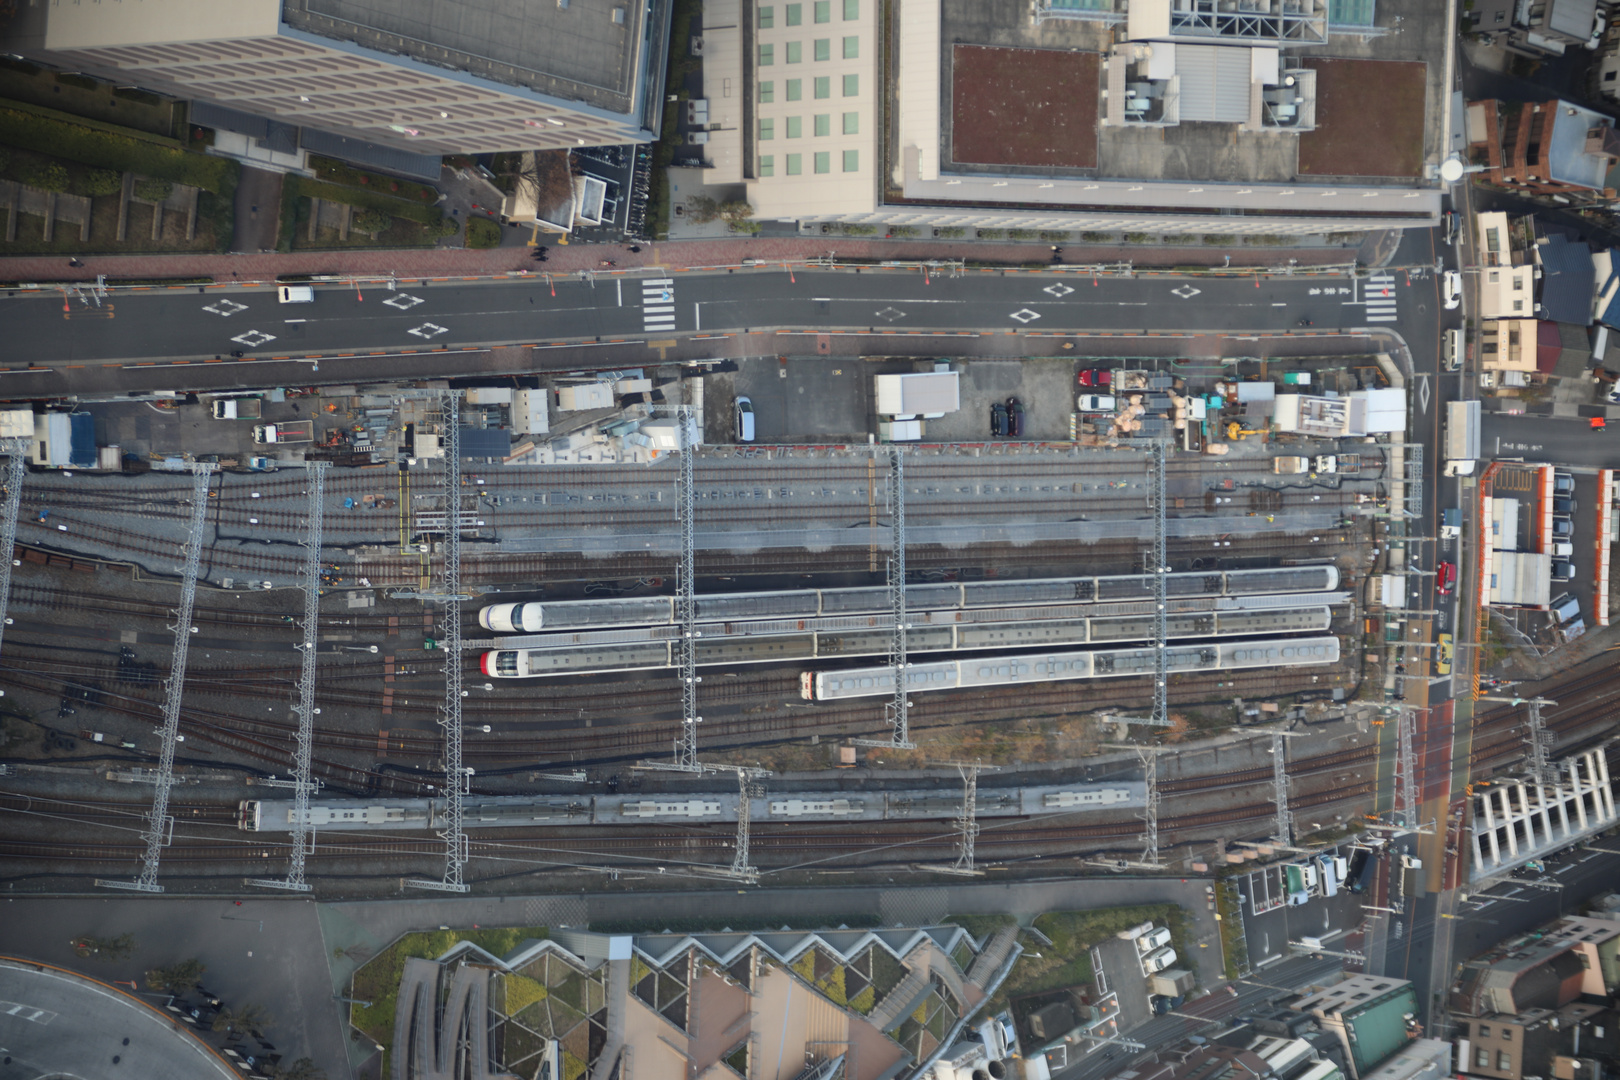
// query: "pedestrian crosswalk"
[[1379, 295], [658, 304]]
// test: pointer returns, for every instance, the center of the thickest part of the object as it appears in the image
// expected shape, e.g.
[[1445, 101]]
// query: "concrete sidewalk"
[[572, 258]]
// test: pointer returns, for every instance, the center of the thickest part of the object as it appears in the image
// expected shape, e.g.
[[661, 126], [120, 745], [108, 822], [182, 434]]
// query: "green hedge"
[[112, 150], [336, 172]]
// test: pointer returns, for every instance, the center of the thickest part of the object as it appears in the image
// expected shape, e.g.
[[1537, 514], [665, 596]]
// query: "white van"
[[1158, 960], [296, 294], [1330, 876], [1454, 349], [1153, 939]]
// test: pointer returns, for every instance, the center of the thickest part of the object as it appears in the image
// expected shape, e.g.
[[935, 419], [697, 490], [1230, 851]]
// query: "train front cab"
[[247, 815], [501, 664]]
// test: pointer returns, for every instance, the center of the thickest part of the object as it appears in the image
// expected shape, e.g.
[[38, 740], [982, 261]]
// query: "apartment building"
[[1507, 280], [418, 75], [1554, 149]]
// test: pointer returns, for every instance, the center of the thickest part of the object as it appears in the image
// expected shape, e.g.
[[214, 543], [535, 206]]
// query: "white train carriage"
[[1090, 663], [531, 617]]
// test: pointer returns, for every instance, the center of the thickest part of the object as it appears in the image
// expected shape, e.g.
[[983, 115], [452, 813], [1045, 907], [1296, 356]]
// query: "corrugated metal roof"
[[1214, 83], [1567, 277]]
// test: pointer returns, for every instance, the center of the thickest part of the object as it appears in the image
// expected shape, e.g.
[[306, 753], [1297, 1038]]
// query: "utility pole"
[[898, 710], [160, 826], [302, 783], [456, 780], [1279, 779]]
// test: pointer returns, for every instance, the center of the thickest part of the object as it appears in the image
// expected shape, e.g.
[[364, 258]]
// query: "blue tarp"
[[82, 443]]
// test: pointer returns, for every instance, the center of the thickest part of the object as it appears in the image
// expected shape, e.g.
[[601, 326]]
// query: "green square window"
[[823, 162], [823, 125], [795, 51], [795, 89], [852, 48], [795, 164], [767, 165], [852, 9], [823, 11], [852, 161], [852, 123], [767, 129], [767, 55], [767, 18], [767, 92], [794, 13], [823, 87], [823, 48], [795, 127], [852, 86]]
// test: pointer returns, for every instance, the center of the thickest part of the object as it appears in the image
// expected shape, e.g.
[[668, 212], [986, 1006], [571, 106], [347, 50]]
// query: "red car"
[[1096, 377], [1445, 577]]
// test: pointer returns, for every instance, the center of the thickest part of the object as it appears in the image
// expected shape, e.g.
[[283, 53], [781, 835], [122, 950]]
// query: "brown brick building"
[[1544, 148]]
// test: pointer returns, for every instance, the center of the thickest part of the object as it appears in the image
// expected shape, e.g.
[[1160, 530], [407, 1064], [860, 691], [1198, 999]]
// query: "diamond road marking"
[[253, 338], [1058, 290], [1026, 316], [404, 301], [1186, 292], [889, 314], [429, 330], [226, 308], [1423, 391]]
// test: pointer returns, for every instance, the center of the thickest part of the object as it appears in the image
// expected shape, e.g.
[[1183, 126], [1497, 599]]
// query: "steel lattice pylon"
[[302, 783], [1161, 641], [158, 827], [742, 867], [898, 710], [449, 593], [1541, 766], [1406, 791], [16, 471], [686, 597], [1279, 779], [967, 823]]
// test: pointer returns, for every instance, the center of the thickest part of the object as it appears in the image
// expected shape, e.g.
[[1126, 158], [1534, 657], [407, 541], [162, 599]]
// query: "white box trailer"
[[929, 394], [1462, 437]]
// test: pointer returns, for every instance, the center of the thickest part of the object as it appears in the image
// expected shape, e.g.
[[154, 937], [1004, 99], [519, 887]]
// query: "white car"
[[1096, 402], [1451, 289]]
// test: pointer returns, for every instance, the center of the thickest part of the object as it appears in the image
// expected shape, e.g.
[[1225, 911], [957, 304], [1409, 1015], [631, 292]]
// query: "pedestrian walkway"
[[564, 260], [1379, 294], [658, 304]]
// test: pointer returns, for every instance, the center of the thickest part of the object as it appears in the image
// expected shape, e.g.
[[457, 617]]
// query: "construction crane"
[[159, 826], [302, 784]]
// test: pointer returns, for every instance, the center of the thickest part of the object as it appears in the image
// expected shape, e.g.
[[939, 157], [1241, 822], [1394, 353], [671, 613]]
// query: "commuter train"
[[727, 646], [866, 804], [1023, 669], [531, 618]]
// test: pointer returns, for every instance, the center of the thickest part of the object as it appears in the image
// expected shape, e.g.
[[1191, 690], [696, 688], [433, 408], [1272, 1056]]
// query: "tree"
[[372, 221], [302, 1069], [700, 209], [736, 212], [249, 1017], [118, 948], [177, 978], [46, 175]]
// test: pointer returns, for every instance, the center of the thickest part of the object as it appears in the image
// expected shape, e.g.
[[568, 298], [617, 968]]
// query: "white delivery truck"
[[1462, 437]]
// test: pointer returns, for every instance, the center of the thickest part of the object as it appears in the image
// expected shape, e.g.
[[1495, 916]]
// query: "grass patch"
[[981, 926], [214, 216], [740, 926], [1234, 945], [1067, 961], [483, 233], [46, 132], [398, 232], [337, 172]]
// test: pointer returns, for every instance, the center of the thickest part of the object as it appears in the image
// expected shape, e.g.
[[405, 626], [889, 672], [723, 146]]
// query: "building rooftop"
[[1569, 158], [578, 50], [1567, 278]]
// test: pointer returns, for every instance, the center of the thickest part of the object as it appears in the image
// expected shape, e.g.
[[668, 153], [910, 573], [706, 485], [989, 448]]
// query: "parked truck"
[[237, 408], [1451, 524], [1290, 465], [1462, 437], [300, 431], [1330, 464]]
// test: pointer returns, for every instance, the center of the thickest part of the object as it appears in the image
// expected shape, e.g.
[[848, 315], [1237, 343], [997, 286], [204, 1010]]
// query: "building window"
[[767, 165], [767, 18], [823, 128], [852, 85], [795, 164], [1482, 1058], [823, 87], [852, 48], [1504, 1061], [767, 129], [852, 160], [852, 123], [1518, 283], [852, 9], [1495, 276], [1608, 76], [767, 55], [823, 9], [794, 13], [795, 127], [795, 51], [1518, 305], [1507, 1034], [767, 93], [823, 161], [795, 89], [823, 48]]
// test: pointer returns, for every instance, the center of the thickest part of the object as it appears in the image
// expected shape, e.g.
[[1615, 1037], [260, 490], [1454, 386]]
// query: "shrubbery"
[[483, 233], [153, 190], [109, 150]]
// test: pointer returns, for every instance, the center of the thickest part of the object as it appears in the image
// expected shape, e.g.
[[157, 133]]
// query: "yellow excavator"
[[1236, 431]]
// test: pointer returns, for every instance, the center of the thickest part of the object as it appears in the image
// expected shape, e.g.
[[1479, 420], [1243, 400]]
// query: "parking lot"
[[1523, 482], [1270, 923]]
